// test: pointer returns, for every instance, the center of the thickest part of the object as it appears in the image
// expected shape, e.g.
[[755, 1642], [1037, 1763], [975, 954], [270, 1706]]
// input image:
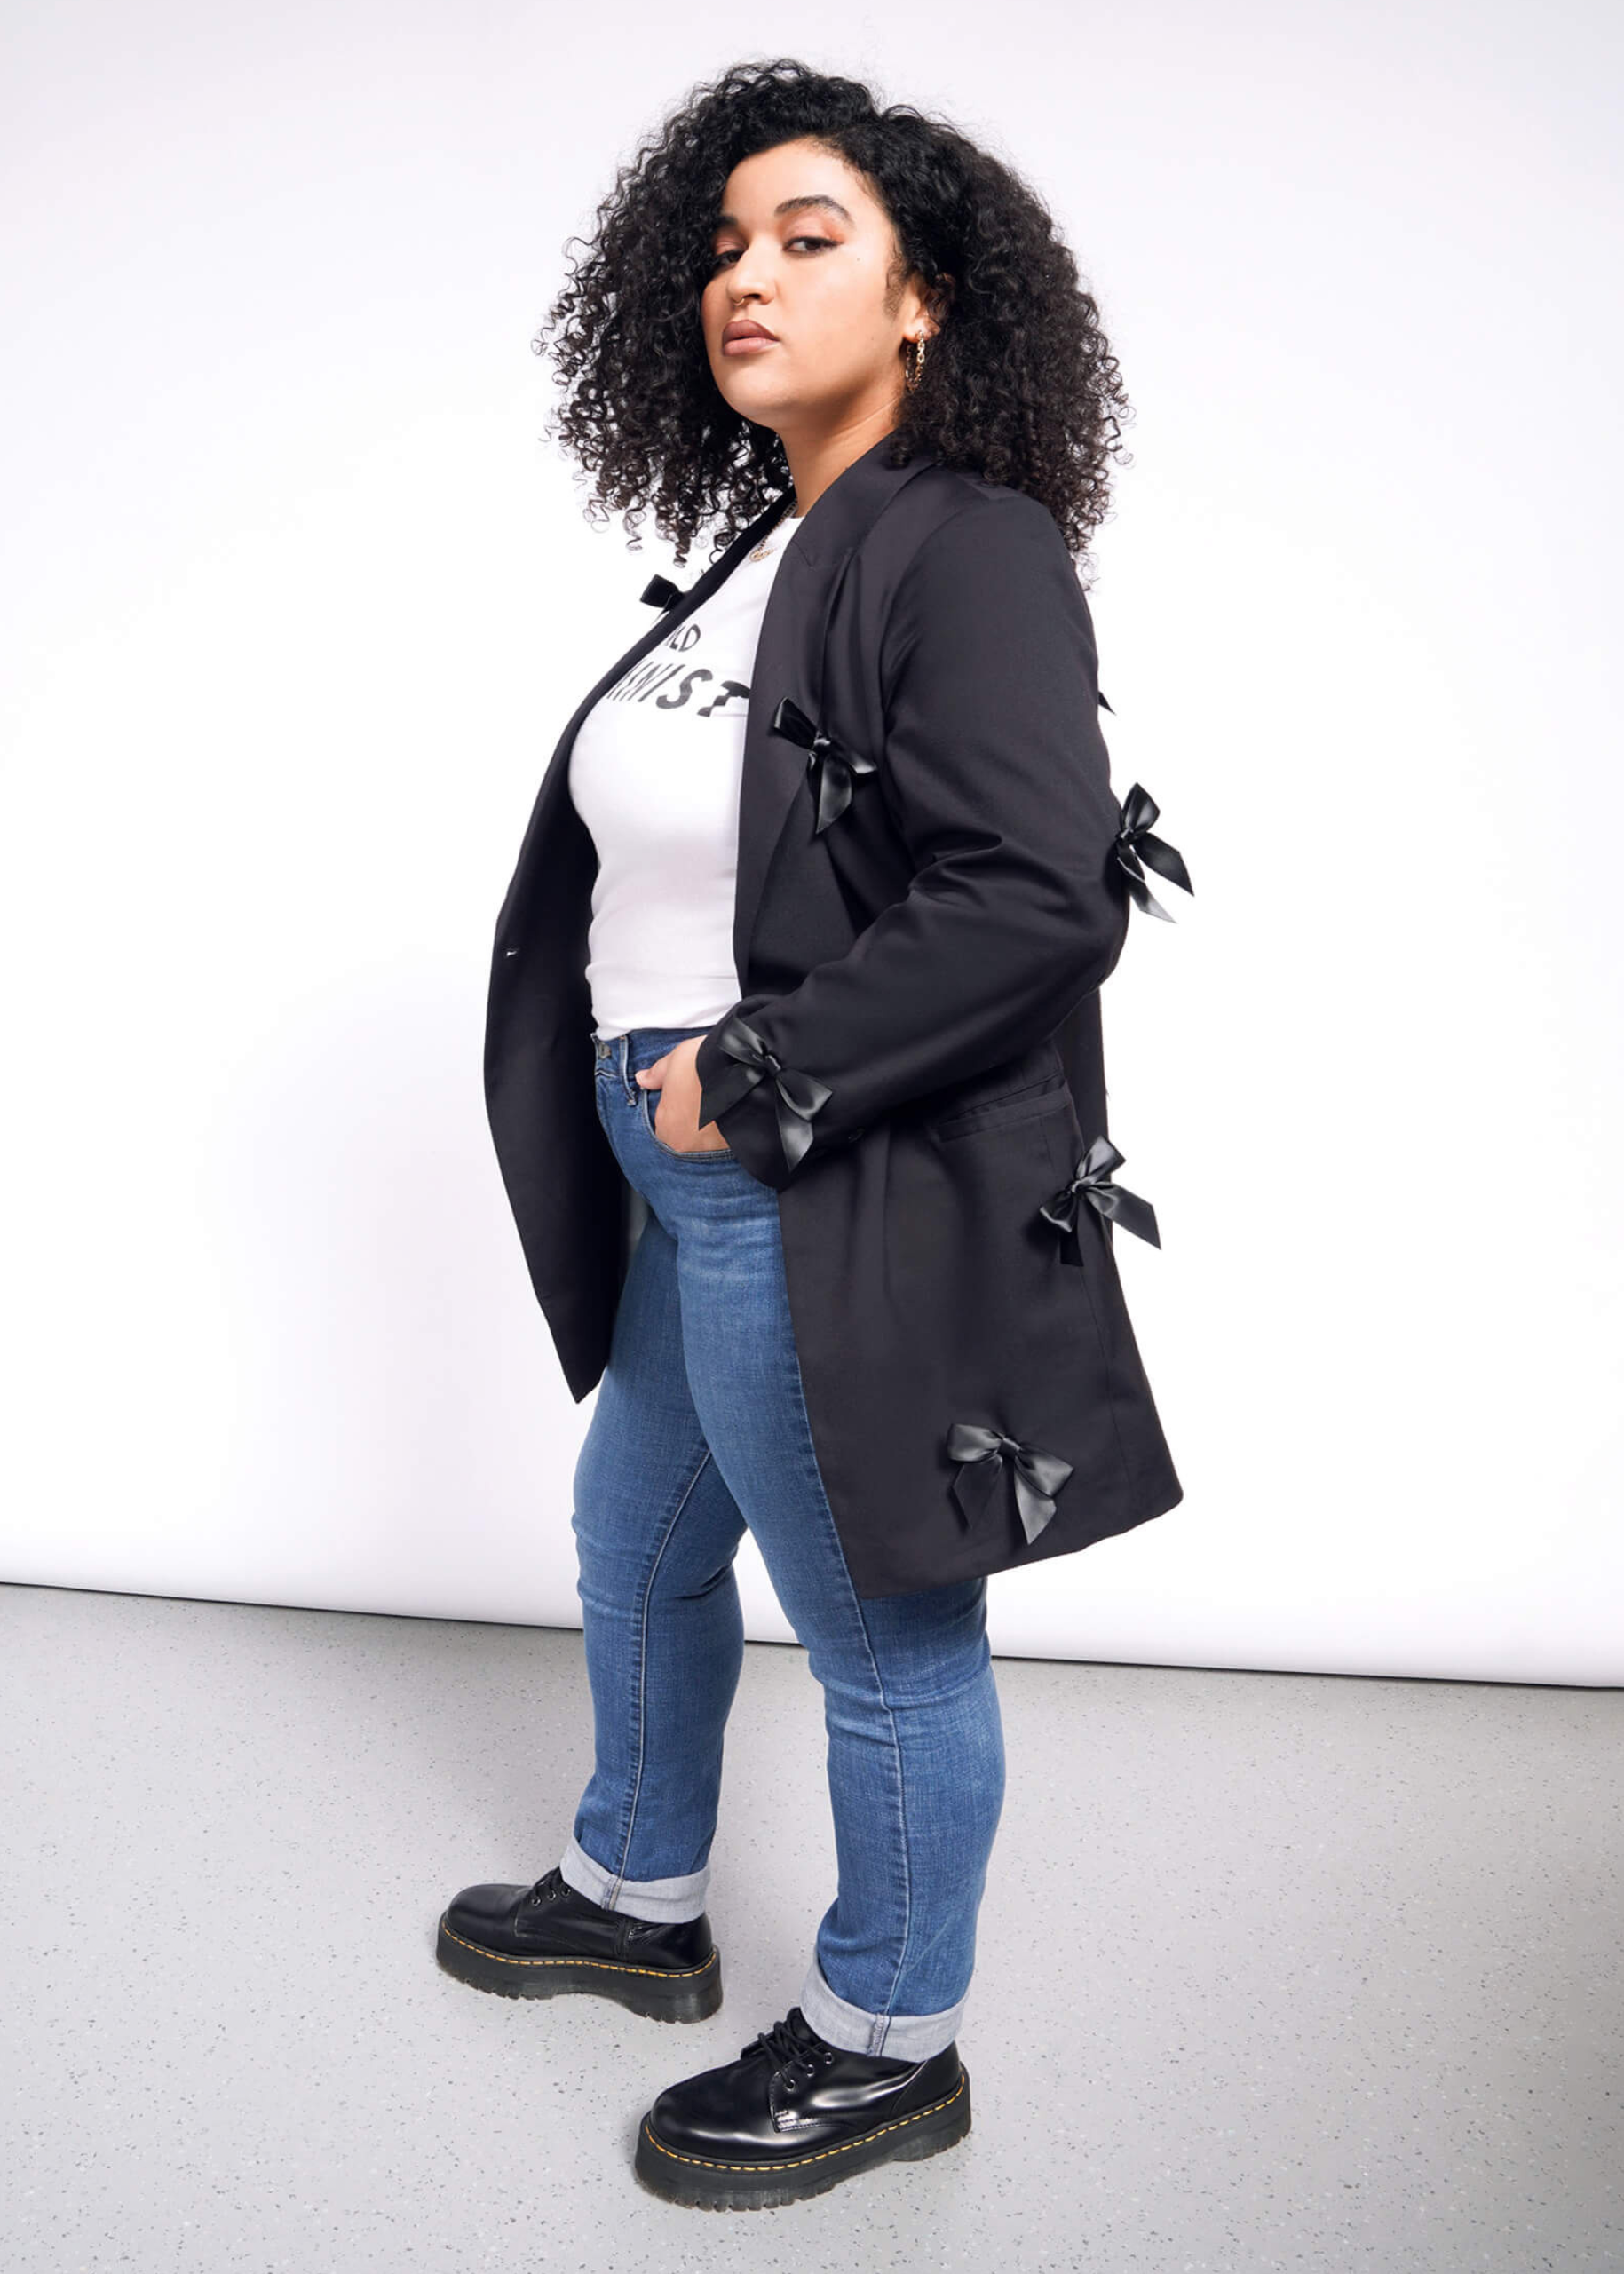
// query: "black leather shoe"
[[545, 1940], [793, 2116]]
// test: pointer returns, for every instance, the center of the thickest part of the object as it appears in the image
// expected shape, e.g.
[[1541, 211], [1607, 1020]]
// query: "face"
[[805, 251]]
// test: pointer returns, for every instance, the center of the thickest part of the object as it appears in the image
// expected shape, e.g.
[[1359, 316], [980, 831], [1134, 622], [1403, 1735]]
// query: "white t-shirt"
[[655, 772]]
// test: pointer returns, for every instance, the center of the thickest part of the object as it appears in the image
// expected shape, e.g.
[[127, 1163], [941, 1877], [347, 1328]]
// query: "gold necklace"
[[758, 550]]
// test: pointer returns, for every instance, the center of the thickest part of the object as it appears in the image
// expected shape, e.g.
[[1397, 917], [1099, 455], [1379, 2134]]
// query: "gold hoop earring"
[[914, 363]]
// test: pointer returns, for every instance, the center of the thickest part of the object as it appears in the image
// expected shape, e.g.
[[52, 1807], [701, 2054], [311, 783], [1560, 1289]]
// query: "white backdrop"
[[296, 601]]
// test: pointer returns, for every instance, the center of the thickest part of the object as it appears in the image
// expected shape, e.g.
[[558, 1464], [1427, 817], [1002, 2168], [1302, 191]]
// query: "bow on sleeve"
[[798, 1095], [982, 1454], [1135, 843], [1092, 1182], [834, 764]]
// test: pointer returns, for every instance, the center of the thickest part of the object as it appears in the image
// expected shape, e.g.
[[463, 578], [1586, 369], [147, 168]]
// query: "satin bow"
[[798, 1095], [833, 763], [1135, 843], [1092, 1182], [982, 1454]]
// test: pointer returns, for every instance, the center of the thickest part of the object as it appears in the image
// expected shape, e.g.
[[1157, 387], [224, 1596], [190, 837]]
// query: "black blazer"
[[934, 879]]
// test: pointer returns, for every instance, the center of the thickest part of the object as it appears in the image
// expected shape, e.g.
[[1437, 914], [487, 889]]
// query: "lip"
[[745, 332]]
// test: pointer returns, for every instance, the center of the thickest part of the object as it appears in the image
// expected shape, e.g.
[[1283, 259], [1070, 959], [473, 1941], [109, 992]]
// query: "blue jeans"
[[699, 1429]]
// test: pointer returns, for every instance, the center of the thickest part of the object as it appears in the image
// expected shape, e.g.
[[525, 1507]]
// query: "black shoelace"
[[790, 2053]]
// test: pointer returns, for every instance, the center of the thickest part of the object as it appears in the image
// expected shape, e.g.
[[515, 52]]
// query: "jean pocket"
[[711, 1154]]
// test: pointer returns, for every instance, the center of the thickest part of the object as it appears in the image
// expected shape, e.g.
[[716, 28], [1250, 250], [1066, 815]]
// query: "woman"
[[793, 1068]]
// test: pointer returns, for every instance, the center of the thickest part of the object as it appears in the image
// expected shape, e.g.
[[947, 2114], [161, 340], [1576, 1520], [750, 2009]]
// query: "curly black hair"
[[1019, 386]]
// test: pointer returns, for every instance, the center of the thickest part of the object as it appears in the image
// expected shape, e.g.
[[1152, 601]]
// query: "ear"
[[929, 297]]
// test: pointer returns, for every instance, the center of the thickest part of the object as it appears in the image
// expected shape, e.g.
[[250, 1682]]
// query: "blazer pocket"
[[1024, 1104]]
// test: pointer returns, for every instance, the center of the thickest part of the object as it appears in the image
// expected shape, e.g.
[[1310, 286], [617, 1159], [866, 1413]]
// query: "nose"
[[741, 285]]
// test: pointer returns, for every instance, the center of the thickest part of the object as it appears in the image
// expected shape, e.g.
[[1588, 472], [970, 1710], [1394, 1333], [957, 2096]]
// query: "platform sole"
[[661, 1993], [707, 2184]]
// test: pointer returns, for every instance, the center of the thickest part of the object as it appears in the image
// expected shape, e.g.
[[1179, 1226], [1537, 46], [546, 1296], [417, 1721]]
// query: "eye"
[[730, 252]]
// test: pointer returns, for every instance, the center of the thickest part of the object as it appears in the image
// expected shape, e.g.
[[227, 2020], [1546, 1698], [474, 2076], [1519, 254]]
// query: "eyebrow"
[[792, 205]]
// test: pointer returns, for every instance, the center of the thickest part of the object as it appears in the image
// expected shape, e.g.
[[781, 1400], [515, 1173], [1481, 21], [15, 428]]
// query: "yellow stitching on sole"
[[615, 1965], [795, 2162]]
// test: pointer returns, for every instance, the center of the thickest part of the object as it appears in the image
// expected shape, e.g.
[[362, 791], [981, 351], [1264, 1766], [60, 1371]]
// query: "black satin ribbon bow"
[[799, 1095], [1135, 843], [834, 765], [982, 1454], [1092, 1182]]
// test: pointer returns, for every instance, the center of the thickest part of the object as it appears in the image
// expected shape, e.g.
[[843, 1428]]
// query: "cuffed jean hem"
[[666, 1900], [899, 2037]]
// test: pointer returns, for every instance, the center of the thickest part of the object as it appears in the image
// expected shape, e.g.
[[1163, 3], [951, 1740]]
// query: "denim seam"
[[883, 2019], [641, 1691]]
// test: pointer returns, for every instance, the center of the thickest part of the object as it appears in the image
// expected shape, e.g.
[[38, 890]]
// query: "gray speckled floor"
[[1275, 1971]]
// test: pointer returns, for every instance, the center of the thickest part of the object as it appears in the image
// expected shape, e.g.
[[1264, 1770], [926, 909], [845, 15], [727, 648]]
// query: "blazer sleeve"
[[996, 772]]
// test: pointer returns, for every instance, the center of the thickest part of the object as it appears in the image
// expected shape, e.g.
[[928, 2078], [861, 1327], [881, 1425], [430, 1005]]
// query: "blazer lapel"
[[789, 660], [552, 796]]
